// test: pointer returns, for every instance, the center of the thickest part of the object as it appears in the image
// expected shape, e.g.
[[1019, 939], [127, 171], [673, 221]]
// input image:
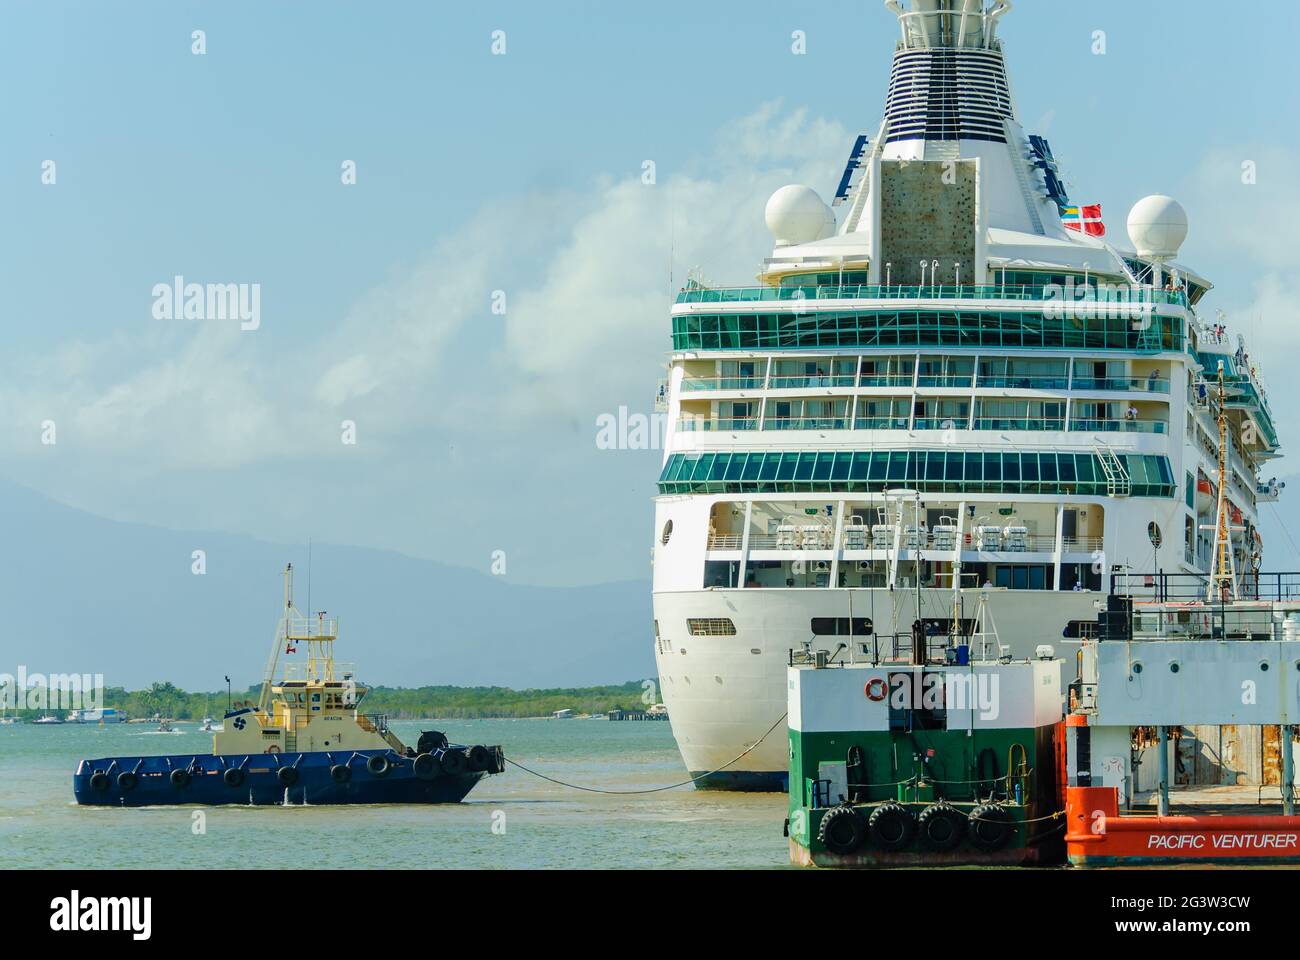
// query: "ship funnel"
[[952, 24]]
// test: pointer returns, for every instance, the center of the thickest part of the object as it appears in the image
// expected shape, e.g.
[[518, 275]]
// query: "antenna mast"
[[1223, 580]]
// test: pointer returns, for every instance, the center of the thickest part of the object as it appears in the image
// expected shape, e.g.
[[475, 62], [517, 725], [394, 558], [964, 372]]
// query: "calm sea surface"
[[545, 825]]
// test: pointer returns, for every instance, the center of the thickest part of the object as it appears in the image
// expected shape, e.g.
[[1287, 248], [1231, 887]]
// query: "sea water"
[[513, 820]]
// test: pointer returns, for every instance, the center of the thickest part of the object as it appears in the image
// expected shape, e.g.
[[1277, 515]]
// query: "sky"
[[498, 276]]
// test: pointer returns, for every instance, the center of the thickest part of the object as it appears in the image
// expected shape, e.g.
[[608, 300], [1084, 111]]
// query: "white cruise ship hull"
[[724, 693]]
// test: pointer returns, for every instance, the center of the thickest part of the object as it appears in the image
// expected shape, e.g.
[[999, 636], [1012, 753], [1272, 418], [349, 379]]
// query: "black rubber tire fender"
[[425, 766], [842, 830], [340, 773], [453, 762], [379, 765], [99, 780], [233, 776], [480, 758], [941, 826], [287, 776], [126, 780], [990, 827], [180, 778], [891, 827]]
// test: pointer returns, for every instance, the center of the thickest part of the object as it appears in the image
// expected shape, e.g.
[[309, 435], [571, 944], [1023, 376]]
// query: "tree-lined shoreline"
[[399, 703]]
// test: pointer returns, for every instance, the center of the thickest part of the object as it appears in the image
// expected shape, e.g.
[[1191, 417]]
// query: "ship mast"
[[1223, 579]]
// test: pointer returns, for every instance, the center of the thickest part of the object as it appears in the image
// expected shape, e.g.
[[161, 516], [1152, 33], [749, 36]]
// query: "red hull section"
[[1097, 835]]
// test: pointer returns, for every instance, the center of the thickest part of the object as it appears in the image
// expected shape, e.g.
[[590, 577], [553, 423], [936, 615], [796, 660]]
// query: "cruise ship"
[[948, 404]]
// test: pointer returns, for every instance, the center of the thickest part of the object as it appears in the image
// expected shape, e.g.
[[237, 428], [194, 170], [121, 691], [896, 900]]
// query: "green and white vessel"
[[923, 757]]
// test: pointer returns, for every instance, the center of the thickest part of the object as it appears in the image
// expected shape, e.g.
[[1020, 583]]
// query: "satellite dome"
[[795, 214], [1157, 226]]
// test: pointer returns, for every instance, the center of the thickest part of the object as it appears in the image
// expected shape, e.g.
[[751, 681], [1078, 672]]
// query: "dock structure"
[[1181, 726]]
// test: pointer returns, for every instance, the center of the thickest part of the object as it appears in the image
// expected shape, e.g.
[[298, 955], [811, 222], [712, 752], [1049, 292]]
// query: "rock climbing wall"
[[927, 212]]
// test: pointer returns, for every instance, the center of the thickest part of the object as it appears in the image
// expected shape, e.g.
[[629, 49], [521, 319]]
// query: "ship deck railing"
[[1114, 294], [860, 538], [906, 382], [1192, 588]]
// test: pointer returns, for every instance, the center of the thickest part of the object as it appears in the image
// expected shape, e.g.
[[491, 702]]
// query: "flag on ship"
[[1086, 219]]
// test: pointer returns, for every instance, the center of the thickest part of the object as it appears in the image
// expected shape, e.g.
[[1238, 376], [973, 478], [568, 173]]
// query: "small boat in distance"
[[47, 719], [304, 741], [209, 726]]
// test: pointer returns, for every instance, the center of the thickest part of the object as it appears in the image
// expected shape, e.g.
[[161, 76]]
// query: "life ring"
[[876, 689], [273, 748]]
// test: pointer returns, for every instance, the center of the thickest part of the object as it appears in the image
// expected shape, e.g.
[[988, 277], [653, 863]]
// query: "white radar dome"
[[796, 214], [1157, 226]]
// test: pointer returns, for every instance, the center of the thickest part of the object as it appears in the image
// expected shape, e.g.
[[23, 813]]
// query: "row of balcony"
[[729, 424], [882, 538], [966, 382]]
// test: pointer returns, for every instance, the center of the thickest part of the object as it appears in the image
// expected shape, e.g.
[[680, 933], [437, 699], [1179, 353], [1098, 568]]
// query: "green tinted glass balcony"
[[871, 329], [929, 471]]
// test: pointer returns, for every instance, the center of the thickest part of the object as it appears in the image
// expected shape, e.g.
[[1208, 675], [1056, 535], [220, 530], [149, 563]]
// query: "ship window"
[[710, 627], [668, 532], [840, 627]]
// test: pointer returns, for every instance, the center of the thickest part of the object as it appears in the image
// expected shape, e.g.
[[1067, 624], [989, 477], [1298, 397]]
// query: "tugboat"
[[304, 742]]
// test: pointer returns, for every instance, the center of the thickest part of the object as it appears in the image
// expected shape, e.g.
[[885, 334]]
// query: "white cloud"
[[420, 361]]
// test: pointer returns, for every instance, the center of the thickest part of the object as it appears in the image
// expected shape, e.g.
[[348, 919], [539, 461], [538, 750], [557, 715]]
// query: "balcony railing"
[[1029, 382], [860, 538], [806, 423], [882, 423], [1019, 423], [1126, 384], [691, 384], [926, 381], [886, 380], [1035, 292], [1037, 424], [960, 381], [716, 424], [812, 383], [1120, 426], [941, 423]]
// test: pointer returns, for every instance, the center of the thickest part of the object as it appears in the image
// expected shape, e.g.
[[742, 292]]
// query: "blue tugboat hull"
[[313, 778]]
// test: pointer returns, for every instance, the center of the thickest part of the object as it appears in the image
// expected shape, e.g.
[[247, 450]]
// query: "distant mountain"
[[79, 593]]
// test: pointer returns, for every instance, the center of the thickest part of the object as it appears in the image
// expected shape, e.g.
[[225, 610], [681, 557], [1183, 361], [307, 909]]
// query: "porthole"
[[668, 532], [1137, 666], [1153, 532], [1173, 666], [1263, 666]]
